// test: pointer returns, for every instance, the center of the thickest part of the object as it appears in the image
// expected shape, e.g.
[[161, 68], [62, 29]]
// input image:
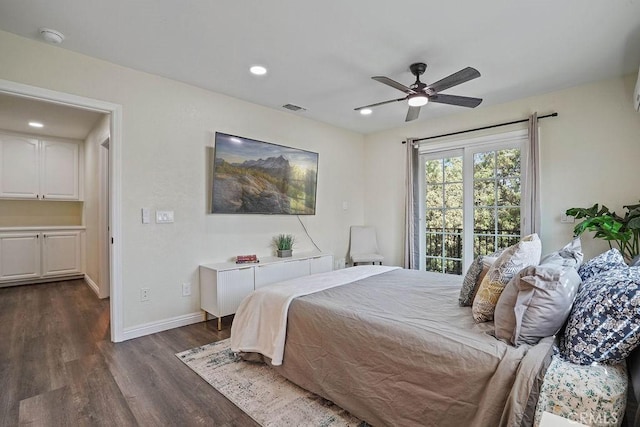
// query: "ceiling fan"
[[419, 94]]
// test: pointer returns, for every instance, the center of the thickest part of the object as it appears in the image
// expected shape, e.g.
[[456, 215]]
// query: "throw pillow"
[[548, 292], [604, 325], [474, 276], [569, 256], [544, 303], [513, 259], [606, 261]]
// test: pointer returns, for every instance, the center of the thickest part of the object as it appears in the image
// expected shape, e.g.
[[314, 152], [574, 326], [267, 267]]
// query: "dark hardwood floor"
[[58, 366]]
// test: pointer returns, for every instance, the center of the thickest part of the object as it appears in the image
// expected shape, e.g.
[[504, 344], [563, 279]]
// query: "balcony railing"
[[449, 261]]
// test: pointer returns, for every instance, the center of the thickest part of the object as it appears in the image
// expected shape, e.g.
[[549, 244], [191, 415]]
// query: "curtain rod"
[[482, 128]]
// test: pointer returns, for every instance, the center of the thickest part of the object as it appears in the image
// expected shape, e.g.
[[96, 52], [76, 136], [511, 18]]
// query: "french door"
[[472, 202]]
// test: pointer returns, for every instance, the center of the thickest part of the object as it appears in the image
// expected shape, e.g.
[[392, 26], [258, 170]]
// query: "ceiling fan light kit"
[[419, 93], [417, 100]]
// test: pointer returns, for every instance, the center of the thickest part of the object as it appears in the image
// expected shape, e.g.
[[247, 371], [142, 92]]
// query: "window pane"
[[484, 193], [434, 196], [433, 170], [453, 195], [509, 192], [434, 220], [453, 267], [483, 245], [484, 220], [453, 220], [453, 169], [508, 162], [434, 264], [509, 221], [434, 244], [483, 165], [453, 246]]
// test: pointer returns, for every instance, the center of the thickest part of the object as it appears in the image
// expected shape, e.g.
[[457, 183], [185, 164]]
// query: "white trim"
[[495, 139], [93, 285], [162, 325], [38, 93]]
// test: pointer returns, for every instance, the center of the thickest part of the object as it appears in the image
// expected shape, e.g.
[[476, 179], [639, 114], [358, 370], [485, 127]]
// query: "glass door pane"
[[444, 214], [496, 195]]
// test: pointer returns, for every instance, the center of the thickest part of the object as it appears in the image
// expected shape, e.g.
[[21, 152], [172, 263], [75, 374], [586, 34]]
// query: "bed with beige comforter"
[[396, 349]]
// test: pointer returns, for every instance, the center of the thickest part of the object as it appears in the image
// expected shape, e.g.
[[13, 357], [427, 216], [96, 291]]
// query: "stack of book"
[[246, 259]]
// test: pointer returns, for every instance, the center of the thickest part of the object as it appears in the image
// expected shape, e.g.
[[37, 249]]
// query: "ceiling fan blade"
[[455, 79], [379, 103], [412, 114], [462, 101], [394, 84]]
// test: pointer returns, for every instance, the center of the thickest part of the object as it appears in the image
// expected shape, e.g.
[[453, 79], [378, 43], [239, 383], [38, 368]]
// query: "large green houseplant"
[[624, 231]]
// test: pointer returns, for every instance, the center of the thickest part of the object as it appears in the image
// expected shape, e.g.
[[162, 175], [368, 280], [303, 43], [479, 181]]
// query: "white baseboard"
[[93, 285], [162, 325]]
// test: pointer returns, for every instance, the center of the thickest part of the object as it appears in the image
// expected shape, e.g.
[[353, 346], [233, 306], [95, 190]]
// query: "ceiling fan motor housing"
[[418, 68]]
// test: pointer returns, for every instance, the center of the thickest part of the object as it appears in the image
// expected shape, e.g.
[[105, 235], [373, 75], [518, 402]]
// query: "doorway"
[[110, 259]]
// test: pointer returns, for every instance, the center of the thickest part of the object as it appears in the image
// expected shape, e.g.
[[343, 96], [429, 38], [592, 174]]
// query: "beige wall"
[[589, 154], [91, 202], [34, 213], [167, 127]]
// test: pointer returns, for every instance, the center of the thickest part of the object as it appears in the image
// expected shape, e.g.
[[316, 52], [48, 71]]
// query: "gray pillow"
[[569, 256], [536, 303]]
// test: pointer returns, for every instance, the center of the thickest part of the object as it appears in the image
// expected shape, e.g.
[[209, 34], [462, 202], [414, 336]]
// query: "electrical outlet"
[[144, 294], [186, 289]]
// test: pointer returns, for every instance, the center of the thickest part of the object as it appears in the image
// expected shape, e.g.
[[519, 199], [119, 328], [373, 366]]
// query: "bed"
[[394, 348]]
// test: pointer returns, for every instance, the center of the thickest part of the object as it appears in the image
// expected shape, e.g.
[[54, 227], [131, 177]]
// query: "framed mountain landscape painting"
[[256, 177]]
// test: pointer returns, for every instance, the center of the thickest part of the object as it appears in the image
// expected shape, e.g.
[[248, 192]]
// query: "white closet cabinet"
[[19, 256], [60, 253], [223, 286], [20, 171], [38, 256], [33, 168], [59, 170]]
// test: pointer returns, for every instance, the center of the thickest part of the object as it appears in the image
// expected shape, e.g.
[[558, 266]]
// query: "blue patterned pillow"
[[604, 325], [606, 261]]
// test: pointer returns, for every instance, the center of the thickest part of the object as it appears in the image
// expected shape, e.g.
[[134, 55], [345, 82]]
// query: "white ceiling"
[[59, 120], [321, 54]]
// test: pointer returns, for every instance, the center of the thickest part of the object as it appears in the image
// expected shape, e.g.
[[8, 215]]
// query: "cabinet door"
[[19, 256], [19, 177], [60, 253], [222, 291], [60, 170], [273, 273], [321, 264]]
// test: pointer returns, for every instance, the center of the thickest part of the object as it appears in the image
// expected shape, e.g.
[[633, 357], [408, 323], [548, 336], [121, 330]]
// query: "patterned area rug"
[[262, 393]]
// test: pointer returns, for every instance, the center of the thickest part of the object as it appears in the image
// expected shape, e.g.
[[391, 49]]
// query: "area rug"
[[262, 393]]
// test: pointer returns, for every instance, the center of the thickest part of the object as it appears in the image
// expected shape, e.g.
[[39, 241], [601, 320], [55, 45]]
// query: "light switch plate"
[[164, 217], [146, 216], [567, 219]]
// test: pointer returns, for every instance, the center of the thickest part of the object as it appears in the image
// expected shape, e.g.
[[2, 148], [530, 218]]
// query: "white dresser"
[[224, 285]]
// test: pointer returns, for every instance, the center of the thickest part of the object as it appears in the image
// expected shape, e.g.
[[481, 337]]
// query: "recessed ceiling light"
[[366, 111], [258, 70], [36, 124]]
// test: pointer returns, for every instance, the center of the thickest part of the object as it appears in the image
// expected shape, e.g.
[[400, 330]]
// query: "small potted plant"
[[284, 244]]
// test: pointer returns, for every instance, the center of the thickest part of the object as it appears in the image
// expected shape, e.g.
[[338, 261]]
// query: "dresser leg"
[[219, 323]]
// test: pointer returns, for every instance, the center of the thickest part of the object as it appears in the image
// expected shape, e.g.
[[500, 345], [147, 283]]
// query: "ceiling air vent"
[[293, 107]]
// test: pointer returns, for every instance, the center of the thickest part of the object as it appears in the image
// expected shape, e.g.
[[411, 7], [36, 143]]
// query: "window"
[[471, 199]]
